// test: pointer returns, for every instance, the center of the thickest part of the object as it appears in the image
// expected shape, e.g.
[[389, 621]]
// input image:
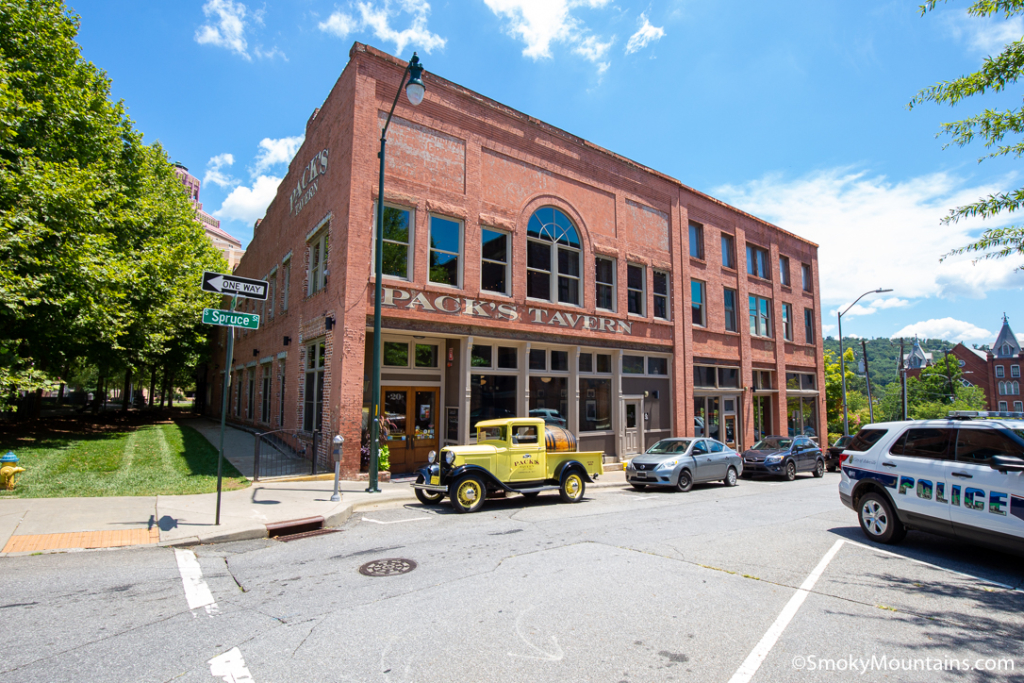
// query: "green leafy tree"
[[834, 389], [1000, 130]]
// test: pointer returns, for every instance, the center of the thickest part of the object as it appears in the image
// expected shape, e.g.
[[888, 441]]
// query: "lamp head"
[[882, 291], [415, 89]]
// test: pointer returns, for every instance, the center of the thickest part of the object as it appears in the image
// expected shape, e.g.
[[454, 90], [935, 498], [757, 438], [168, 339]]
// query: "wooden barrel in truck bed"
[[559, 439]]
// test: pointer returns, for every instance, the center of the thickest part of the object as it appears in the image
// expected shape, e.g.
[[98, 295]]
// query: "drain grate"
[[306, 534], [388, 567]]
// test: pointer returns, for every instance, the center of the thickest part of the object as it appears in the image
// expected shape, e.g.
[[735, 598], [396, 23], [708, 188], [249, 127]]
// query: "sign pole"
[[224, 406]]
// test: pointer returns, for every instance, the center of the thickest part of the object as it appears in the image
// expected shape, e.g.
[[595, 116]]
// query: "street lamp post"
[[842, 359], [414, 91]]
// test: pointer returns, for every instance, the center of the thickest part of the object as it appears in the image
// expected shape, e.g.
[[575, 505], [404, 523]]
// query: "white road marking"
[[544, 655], [934, 566], [196, 591], [397, 521], [230, 667], [636, 497], [754, 660]]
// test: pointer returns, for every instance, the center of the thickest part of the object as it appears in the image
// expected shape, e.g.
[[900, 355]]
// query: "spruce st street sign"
[[232, 285], [214, 316]]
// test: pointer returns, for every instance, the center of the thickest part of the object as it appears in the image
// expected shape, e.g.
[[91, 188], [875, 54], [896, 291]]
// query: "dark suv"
[[784, 456]]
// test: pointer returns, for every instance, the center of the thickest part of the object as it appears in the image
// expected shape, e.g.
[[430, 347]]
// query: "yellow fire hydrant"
[[9, 468]]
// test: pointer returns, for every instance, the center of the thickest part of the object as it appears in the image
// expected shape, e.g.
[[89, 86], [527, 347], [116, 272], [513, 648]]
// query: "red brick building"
[[527, 271], [996, 370]]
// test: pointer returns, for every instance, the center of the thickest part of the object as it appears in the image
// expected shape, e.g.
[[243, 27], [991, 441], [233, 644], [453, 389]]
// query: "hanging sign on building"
[[308, 183], [412, 300]]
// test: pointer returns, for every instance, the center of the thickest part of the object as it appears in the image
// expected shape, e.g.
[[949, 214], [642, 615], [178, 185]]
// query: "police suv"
[[961, 477]]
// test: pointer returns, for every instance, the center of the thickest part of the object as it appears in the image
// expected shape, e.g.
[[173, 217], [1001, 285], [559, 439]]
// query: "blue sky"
[[795, 111]]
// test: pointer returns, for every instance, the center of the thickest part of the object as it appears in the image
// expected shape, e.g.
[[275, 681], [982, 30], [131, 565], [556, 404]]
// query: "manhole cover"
[[389, 567]]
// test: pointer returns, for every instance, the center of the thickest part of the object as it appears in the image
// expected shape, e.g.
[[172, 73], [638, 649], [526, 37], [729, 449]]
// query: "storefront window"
[[549, 400], [481, 356], [508, 357], [633, 365], [538, 359], [706, 420], [729, 377], [396, 354], [657, 366], [595, 405], [802, 415], [426, 356], [560, 360], [491, 397], [586, 363], [703, 377], [604, 362]]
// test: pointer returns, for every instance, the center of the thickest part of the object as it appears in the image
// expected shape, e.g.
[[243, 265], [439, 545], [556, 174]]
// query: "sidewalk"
[[32, 525]]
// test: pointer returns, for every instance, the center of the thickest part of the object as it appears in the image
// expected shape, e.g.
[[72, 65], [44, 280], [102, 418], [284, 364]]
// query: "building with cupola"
[[995, 369]]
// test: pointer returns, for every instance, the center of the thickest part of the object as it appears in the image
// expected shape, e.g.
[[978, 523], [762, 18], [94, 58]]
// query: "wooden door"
[[413, 413]]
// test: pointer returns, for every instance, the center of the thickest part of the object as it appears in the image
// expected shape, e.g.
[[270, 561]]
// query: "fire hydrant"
[[9, 468]]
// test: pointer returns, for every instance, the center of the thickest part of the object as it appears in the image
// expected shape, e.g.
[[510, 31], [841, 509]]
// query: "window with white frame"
[[636, 282], [661, 297], [604, 279], [1014, 371], [445, 251], [494, 251], [729, 299], [784, 270], [396, 354], [1018, 406], [313, 399], [1000, 371], [397, 236], [317, 261], [1002, 406], [760, 316], [553, 255], [697, 307], [787, 321]]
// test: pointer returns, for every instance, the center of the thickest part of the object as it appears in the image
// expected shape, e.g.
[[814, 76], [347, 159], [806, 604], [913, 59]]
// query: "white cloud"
[[984, 35], [339, 24], [874, 233], [417, 35], [270, 54], [214, 174], [272, 152], [828, 329], [945, 328], [539, 23], [594, 51], [247, 204], [228, 29], [644, 36]]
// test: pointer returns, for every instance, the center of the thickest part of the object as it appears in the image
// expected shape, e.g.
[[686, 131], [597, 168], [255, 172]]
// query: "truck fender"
[[564, 468], [425, 473], [489, 479]]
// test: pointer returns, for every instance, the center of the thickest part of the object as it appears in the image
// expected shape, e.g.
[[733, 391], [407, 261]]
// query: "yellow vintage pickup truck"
[[514, 455]]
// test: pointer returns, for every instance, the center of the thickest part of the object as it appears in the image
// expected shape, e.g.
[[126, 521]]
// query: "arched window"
[[553, 257]]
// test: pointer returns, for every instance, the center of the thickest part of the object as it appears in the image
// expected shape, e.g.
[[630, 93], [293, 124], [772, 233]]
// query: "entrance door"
[[633, 432], [412, 412], [730, 431]]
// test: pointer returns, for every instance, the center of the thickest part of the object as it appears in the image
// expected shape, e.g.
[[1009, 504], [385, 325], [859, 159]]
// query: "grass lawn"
[[72, 459]]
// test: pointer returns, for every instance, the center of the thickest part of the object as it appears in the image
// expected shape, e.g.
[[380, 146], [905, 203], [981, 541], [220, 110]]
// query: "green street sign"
[[214, 316]]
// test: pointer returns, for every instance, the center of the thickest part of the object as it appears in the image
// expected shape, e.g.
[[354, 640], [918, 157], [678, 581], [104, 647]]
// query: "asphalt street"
[[767, 581]]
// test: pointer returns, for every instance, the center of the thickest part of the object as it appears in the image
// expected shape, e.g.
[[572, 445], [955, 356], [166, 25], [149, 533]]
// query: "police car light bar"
[[965, 414]]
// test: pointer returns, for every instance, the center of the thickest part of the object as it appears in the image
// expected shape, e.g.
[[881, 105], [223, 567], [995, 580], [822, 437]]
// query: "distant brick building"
[[995, 370], [527, 272], [230, 246]]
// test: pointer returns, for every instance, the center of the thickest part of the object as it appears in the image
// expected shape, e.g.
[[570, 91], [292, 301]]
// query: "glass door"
[[412, 417]]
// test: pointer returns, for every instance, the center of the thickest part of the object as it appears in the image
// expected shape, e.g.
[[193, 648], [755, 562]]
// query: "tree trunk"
[[152, 384], [127, 396], [168, 389]]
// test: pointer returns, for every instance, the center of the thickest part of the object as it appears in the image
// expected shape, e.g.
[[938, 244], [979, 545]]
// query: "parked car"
[[962, 477], [834, 451], [682, 462], [550, 416], [784, 456]]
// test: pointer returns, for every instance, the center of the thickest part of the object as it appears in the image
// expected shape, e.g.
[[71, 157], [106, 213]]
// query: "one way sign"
[[232, 285]]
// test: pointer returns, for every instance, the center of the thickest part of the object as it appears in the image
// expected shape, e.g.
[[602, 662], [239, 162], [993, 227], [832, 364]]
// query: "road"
[[767, 581]]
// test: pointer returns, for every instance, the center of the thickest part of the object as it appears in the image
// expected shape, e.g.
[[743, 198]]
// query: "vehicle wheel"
[[572, 488], [427, 497], [468, 493], [730, 477], [878, 521], [639, 487], [790, 470], [685, 482], [819, 469], [531, 495]]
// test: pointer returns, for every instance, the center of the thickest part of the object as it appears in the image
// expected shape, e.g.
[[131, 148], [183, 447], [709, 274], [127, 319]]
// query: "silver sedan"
[[682, 462]]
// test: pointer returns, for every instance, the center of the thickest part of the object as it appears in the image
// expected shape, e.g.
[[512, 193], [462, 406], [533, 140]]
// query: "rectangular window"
[[313, 404], [445, 251], [508, 357], [635, 288], [1002, 406], [317, 262], [787, 321], [280, 406], [265, 403], [395, 354], [397, 235], [426, 356], [604, 362], [657, 366], [538, 359], [809, 325], [604, 280], [494, 261], [728, 251], [1018, 406], [929, 443], [784, 270], [729, 378], [633, 365], [595, 410], [696, 240], [760, 316], [697, 302], [762, 379], [549, 400], [480, 357], [661, 298], [272, 294], [586, 362], [250, 404], [757, 261], [1014, 371], [805, 276], [286, 283], [729, 300], [1000, 371], [704, 377], [491, 397], [560, 360]]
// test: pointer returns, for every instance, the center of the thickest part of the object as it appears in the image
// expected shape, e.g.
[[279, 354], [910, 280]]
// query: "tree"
[[992, 126], [834, 389]]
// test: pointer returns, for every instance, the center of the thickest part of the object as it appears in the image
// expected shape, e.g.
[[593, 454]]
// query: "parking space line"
[[396, 521], [230, 667], [196, 591], [757, 656], [934, 566]]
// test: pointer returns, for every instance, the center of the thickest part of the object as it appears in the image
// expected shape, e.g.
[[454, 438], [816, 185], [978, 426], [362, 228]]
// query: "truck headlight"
[[773, 460], [667, 465], [431, 457], [449, 457]]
